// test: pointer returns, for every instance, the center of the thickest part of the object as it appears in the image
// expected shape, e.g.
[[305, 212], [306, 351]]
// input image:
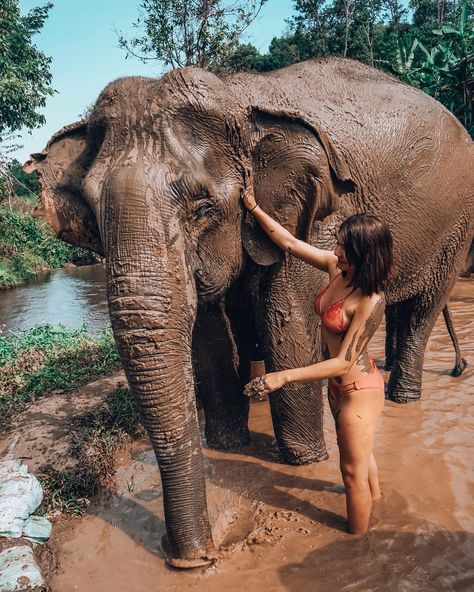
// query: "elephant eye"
[[203, 207]]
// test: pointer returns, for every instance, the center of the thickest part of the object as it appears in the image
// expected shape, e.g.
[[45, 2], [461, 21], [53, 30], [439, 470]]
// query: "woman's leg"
[[357, 415], [374, 479]]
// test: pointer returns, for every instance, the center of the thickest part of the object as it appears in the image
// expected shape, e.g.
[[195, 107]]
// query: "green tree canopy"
[[190, 32], [25, 78]]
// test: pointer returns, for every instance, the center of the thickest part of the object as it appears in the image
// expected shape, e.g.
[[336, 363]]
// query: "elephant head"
[[153, 181]]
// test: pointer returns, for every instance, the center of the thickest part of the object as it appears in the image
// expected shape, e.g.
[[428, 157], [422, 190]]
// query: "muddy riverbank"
[[282, 528]]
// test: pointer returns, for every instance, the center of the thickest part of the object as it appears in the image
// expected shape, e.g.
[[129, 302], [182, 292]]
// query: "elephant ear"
[[61, 167], [297, 180]]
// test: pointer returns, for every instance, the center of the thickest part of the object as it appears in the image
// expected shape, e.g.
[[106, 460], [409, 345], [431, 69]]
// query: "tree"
[[447, 69], [14, 181], [25, 78], [190, 32], [311, 20], [25, 81], [244, 57]]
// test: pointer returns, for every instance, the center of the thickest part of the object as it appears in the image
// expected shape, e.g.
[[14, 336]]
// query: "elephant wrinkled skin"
[[153, 182]]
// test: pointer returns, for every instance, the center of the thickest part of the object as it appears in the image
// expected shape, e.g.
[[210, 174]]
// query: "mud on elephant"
[[153, 181]]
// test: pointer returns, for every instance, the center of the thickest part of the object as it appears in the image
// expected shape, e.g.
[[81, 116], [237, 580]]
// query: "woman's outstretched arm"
[[365, 322], [324, 260]]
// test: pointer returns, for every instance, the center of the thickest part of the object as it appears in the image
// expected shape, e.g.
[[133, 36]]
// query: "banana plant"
[[446, 71]]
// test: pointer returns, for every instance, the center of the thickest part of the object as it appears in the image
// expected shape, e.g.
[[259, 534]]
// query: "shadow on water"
[[139, 523], [418, 561], [273, 487]]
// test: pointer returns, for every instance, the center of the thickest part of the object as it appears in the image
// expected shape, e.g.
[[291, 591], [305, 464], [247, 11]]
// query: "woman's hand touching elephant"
[[249, 199], [260, 387], [248, 196]]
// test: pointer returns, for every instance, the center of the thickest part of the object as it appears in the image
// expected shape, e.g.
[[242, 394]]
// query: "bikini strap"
[[333, 279]]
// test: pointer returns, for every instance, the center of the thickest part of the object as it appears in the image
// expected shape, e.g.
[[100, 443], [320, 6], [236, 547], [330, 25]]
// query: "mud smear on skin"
[[284, 526]]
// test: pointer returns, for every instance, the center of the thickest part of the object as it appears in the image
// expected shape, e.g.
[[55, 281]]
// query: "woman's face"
[[340, 253]]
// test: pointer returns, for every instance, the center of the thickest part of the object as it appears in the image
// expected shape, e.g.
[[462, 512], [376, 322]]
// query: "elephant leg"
[[460, 364], [219, 388], [415, 320], [292, 340], [390, 336]]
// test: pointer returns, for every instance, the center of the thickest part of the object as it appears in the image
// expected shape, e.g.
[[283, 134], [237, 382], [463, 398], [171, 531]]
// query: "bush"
[[28, 245]]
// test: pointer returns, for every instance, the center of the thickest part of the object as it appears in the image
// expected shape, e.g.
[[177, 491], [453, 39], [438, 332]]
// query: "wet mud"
[[282, 527]]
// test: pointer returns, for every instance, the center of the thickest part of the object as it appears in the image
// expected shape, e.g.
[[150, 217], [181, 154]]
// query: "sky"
[[81, 38]]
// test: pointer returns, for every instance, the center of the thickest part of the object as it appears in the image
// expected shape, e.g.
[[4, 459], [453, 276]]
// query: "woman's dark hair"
[[368, 246]]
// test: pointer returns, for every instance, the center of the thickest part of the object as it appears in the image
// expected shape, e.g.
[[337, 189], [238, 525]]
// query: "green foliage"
[[28, 245], [25, 78], [446, 71], [95, 437], [190, 32], [44, 359], [24, 185], [243, 57]]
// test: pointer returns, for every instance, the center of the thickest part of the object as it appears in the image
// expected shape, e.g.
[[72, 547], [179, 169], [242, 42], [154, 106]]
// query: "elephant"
[[153, 181]]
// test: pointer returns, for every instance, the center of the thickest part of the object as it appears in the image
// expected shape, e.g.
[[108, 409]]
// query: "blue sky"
[[80, 37]]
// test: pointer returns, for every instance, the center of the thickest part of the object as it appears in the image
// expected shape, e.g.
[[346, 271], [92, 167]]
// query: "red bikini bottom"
[[372, 381]]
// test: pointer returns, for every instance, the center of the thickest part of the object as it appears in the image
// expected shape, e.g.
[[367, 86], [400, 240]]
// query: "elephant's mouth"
[[212, 280]]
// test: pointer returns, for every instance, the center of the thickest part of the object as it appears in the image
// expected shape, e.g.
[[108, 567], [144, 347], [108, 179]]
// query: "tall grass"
[[44, 359]]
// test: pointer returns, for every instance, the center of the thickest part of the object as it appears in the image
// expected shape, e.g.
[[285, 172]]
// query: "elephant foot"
[[459, 368], [404, 388], [307, 457], [188, 562], [402, 399]]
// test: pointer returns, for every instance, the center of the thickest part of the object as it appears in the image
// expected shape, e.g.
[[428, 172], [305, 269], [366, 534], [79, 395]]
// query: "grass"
[[45, 359], [95, 437], [28, 245]]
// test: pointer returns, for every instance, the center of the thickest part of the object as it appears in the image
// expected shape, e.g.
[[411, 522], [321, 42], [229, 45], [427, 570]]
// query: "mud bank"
[[283, 527]]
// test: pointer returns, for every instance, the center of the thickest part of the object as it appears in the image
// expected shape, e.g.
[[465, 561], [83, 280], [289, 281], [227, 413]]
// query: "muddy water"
[[69, 296], [282, 527]]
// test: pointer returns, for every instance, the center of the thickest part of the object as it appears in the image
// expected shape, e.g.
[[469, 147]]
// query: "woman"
[[351, 308]]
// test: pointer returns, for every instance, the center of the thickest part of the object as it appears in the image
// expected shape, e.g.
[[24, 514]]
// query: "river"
[[70, 297]]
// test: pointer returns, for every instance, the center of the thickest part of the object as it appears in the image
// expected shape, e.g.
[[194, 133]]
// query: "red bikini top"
[[332, 318]]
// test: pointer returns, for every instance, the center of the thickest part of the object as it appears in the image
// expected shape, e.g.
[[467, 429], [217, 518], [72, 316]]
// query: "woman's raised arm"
[[324, 260]]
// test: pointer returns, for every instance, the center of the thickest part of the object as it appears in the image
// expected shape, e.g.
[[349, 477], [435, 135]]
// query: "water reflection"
[[70, 297]]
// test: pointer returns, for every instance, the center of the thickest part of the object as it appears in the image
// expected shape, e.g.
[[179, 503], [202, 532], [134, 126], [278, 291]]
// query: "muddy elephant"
[[153, 181]]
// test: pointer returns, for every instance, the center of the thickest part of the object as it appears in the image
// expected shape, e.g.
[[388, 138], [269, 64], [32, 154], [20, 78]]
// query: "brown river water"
[[282, 528]]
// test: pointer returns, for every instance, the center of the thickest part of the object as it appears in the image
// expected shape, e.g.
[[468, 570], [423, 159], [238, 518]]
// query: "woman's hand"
[[262, 386], [248, 196], [249, 199]]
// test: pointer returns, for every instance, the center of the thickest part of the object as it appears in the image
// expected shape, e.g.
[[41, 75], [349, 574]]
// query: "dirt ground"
[[282, 528]]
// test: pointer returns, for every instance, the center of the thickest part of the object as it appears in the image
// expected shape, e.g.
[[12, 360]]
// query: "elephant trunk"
[[152, 303]]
